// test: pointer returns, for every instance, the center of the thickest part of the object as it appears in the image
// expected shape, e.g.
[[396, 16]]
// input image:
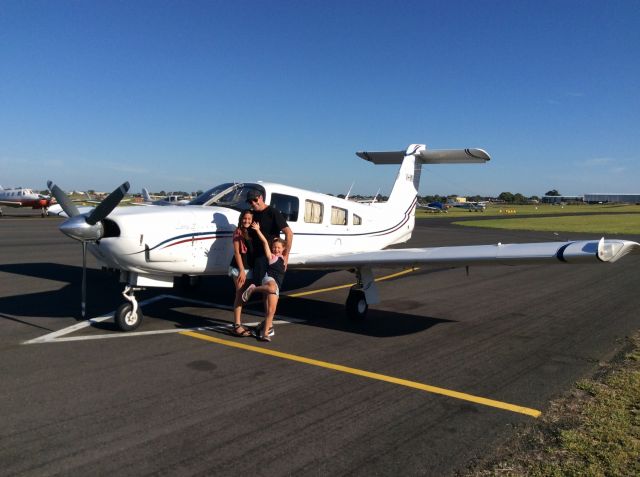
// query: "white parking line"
[[61, 335]]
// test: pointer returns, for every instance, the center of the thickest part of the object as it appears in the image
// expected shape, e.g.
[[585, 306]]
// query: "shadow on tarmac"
[[104, 296]]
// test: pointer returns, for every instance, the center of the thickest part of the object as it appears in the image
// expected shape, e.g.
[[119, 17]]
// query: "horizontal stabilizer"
[[428, 156], [587, 251], [453, 156], [389, 157]]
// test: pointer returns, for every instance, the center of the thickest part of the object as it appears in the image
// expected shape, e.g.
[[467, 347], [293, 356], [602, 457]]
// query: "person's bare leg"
[[237, 310], [272, 303], [269, 287]]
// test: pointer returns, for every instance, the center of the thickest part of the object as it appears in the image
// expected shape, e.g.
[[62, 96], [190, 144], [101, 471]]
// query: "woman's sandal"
[[242, 334]]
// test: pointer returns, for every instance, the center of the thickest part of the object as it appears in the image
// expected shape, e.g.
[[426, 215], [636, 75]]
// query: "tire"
[[356, 305], [124, 318]]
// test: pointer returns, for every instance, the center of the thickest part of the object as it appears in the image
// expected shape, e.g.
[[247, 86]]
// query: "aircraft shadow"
[[104, 296], [103, 292], [379, 323]]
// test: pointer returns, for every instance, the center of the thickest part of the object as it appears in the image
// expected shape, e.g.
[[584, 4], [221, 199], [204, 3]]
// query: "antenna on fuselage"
[[349, 191]]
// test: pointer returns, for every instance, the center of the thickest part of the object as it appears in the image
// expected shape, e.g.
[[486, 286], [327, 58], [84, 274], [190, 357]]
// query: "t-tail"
[[403, 197]]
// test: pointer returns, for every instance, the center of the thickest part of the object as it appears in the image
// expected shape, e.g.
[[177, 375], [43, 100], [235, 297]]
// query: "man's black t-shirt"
[[271, 223]]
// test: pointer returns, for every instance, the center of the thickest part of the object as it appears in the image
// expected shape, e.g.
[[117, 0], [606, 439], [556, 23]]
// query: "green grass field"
[[541, 209], [605, 219], [606, 224]]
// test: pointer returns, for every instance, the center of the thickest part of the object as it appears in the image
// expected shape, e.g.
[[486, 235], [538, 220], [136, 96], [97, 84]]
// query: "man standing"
[[271, 224]]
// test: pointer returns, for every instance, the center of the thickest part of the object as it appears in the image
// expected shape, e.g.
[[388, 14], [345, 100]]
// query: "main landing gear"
[[362, 294], [128, 315]]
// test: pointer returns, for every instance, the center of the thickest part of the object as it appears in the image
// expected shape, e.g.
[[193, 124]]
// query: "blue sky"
[[183, 95]]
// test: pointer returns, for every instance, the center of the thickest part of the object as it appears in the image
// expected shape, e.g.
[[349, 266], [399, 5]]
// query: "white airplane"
[[152, 245], [168, 200], [473, 206], [21, 197], [470, 206]]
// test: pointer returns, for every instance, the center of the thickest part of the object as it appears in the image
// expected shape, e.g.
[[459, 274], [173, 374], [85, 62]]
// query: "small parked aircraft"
[[152, 245], [168, 200], [438, 207], [470, 206], [21, 197]]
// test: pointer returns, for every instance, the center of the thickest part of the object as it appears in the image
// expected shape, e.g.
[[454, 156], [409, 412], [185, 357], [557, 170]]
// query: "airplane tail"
[[404, 195], [405, 188], [145, 195]]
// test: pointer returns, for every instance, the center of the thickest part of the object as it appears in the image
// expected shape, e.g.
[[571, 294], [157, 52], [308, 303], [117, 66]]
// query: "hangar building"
[[617, 198]]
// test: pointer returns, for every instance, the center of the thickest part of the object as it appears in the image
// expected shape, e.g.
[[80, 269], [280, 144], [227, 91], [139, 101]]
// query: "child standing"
[[271, 282]]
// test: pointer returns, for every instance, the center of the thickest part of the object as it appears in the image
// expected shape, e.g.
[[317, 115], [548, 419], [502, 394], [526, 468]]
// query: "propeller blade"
[[105, 207], [69, 207]]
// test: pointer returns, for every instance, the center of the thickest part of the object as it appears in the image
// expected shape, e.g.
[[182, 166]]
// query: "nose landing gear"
[[128, 316]]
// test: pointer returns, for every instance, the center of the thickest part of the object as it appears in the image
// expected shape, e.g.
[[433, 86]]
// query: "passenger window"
[[288, 205], [338, 216], [357, 220], [313, 212]]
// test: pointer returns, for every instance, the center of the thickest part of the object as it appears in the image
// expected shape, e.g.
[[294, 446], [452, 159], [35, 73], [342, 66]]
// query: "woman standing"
[[239, 268]]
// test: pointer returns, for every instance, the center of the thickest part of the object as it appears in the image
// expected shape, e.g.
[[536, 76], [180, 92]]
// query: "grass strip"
[[606, 224], [594, 430], [533, 210]]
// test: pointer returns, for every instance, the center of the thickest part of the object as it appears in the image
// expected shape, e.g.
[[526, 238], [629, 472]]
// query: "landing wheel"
[[356, 305], [125, 319]]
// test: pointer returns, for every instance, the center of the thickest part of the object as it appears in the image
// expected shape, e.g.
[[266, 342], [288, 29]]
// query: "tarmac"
[[444, 369]]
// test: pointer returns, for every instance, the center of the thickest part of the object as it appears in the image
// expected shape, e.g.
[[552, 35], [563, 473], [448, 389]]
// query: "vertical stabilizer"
[[405, 188]]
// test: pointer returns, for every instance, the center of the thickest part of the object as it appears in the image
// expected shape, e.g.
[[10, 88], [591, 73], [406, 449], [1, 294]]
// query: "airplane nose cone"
[[77, 228]]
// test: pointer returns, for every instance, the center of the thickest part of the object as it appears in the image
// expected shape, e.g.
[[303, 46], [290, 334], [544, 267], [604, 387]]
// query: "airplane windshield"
[[227, 195]]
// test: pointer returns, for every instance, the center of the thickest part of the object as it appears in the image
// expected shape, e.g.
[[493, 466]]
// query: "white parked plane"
[[152, 245], [148, 199], [21, 197]]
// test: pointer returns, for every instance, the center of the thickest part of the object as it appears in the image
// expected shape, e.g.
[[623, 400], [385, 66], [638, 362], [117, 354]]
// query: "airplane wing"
[[9, 203], [585, 251]]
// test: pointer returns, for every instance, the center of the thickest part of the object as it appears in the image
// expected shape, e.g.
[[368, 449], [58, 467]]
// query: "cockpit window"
[[228, 195]]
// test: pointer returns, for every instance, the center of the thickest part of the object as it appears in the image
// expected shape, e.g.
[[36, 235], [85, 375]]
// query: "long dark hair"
[[245, 232]]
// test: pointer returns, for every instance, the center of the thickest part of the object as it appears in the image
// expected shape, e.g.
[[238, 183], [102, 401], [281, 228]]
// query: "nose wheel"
[[128, 316]]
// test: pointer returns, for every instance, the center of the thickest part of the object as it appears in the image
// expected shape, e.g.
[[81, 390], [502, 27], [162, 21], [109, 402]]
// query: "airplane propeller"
[[86, 227]]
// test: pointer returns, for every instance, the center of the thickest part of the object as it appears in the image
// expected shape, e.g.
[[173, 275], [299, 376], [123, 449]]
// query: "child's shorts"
[[268, 279], [234, 273]]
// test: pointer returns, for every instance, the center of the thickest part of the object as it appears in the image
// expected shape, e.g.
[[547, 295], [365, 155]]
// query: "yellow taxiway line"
[[349, 285], [367, 374]]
